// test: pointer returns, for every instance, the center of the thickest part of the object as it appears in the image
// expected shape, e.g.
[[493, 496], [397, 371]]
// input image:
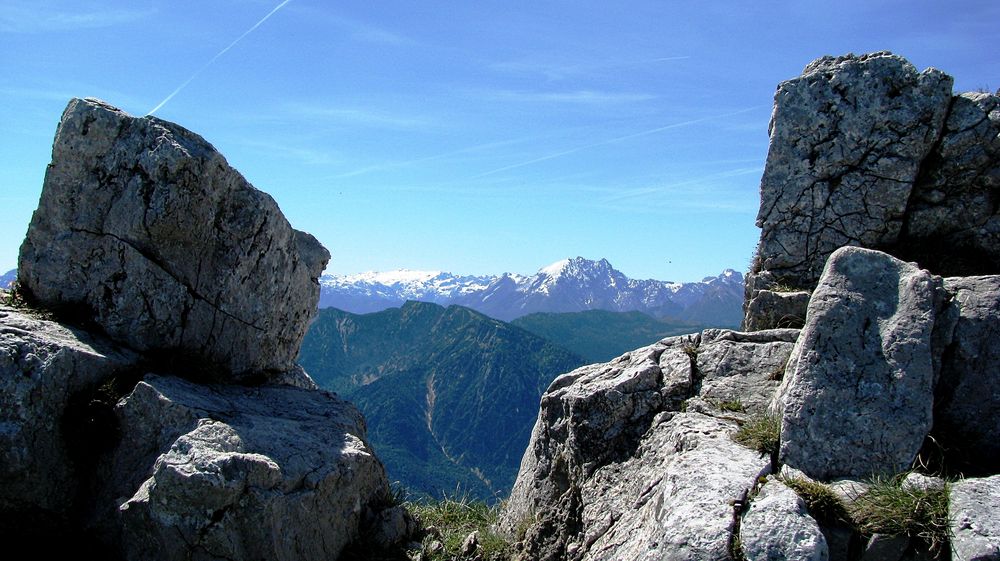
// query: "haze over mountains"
[[570, 285]]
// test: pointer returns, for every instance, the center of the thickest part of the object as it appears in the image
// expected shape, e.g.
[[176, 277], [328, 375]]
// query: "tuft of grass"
[[889, 508], [691, 351], [734, 405], [761, 433], [457, 517], [824, 505]]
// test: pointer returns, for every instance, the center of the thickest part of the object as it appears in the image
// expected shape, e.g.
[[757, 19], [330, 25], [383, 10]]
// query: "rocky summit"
[[855, 418], [150, 407]]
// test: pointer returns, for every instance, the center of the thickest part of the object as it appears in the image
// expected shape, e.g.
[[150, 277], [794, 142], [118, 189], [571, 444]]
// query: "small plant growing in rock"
[[733, 405], [889, 507], [824, 505], [761, 433], [454, 519]]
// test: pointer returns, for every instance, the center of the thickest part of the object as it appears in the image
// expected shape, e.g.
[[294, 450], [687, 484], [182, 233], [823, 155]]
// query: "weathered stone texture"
[[143, 224], [857, 396], [613, 471], [43, 367], [778, 527], [674, 498], [848, 137], [271, 472], [867, 151], [974, 509]]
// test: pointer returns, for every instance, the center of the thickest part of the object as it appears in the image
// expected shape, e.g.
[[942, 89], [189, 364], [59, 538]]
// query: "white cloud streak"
[[33, 17], [216, 57], [639, 134]]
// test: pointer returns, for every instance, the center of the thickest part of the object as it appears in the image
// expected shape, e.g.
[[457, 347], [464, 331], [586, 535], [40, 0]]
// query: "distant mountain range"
[[449, 394], [570, 285], [8, 278]]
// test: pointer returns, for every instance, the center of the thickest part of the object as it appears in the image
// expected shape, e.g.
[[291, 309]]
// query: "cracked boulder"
[[847, 140], [268, 472], [867, 151], [145, 230]]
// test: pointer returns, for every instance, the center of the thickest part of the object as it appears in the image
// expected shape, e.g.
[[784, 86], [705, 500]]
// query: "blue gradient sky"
[[473, 137]]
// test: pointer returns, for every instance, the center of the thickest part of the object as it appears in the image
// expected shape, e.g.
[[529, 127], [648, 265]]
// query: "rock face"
[[778, 526], [867, 151], [144, 227], [170, 270], [614, 470], [859, 389], [248, 475], [975, 519], [44, 366]]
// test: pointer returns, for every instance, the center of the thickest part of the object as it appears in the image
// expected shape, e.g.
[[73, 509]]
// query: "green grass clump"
[[761, 433], [824, 505], [733, 405], [889, 508], [455, 519]]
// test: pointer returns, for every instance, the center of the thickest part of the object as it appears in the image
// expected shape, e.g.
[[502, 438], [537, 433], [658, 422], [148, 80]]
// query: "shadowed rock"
[[144, 228]]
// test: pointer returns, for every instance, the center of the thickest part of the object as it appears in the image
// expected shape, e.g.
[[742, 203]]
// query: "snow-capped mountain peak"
[[568, 285]]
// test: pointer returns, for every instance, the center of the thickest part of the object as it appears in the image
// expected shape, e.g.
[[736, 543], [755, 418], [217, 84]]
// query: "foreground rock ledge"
[[143, 228]]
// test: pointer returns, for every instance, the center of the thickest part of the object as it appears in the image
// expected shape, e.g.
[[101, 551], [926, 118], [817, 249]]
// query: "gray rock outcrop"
[[614, 470], [165, 418], [778, 526], [867, 151], [859, 388], [143, 227], [44, 369], [271, 472], [975, 519]]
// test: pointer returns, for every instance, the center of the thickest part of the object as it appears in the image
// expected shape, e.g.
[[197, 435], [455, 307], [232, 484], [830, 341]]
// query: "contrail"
[[612, 141], [216, 57]]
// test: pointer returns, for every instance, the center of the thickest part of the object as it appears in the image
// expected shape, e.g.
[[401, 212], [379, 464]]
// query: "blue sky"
[[473, 137]]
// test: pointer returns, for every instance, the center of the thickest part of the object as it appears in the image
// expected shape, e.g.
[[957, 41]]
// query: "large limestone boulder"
[[847, 140], [50, 422], [867, 151], [858, 391], [272, 472], [144, 229], [614, 470]]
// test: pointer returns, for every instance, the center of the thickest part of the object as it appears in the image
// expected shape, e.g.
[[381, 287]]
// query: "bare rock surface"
[[674, 499], [44, 366], [974, 509], [778, 526], [615, 471], [272, 472], [769, 309], [867, 151], [143, 227], [847, 140], [858, 392]]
